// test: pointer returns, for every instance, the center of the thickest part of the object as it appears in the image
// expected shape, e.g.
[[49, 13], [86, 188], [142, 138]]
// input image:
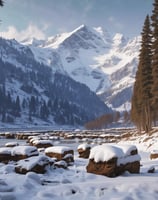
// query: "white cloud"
[[31, 31]]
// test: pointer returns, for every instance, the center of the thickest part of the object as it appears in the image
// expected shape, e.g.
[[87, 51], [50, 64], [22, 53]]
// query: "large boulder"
[[106, 168], [17, 153], [113, 160], [25, 135], [22, 152], [154, 154], [5, 154], [35, 164], [10, 135], [131, 160], [11, 144], [61, 153], [42, 143], [84, 150]]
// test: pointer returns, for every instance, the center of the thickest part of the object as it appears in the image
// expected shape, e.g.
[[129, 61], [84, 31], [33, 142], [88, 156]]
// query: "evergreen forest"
[[144, 111]]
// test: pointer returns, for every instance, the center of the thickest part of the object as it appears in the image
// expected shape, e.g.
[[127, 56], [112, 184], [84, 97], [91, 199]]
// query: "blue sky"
[[44, 18]]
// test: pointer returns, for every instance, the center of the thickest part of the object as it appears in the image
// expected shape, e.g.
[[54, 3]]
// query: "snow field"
[[75, 183]]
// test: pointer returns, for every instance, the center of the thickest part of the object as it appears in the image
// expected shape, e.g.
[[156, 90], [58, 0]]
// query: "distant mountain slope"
[[31, 92], [105, 63]]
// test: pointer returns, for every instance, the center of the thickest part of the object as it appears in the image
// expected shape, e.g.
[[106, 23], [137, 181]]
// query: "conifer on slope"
[[141, 99]]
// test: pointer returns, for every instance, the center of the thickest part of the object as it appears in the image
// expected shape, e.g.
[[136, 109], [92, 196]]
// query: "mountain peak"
[[81, 27], [81, 37], [32, 41], [119, 39], [93, 30]]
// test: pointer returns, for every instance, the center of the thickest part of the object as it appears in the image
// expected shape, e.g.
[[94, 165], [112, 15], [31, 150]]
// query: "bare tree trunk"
[[147, 117]]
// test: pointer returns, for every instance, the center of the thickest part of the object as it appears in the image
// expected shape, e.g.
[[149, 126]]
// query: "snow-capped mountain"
[[32, 93], [106, 64], [75, 54], [69, 78]]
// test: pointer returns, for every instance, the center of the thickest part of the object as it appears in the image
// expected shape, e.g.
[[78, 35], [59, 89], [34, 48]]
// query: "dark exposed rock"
[[5, 154], [10, 135], [154, 155], [84, 153], [60, 164], [151, 169], [103, 168]]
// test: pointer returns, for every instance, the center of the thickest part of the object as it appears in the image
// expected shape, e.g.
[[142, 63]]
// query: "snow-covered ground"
[[75, 183]]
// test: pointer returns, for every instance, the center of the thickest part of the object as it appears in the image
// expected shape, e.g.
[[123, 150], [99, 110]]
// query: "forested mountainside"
[[30, 91]]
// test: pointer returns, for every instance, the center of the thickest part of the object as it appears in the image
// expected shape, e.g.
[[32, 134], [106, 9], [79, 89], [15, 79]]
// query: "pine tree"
[[141, 99], [17, 108], [146, 75], [136, 103], [154, 24], [44, 112], [1, 4], [24, 103], [4, 116], [32, 105], [9, 101]]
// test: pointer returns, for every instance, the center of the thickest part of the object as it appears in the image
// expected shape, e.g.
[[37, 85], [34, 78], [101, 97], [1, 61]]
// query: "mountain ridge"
[[31, 92], [95, 70], [93, 57]]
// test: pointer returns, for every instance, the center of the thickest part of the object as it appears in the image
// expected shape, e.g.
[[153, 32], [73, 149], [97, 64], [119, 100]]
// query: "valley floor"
[[75, 183]]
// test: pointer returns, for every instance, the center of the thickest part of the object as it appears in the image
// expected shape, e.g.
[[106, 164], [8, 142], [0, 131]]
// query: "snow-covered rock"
[[58, 149], [113, 160], [27, 151], [84, 146], [105, 152], [11, 144], [5, 154], [61, 153], [84, 150], [36, 164], [17, 153], [42, 143]]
